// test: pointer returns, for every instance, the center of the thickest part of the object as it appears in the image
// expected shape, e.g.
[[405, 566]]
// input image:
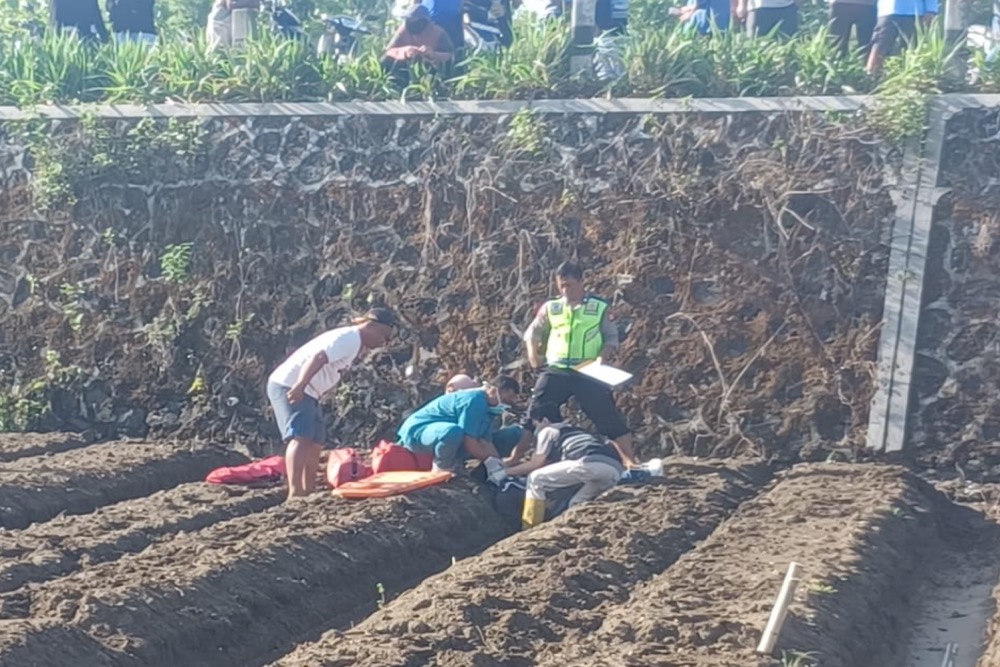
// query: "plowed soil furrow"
[[550, 585], [15, 446], [66, 544], [858, 531], [80, 480], [244, 591], [33, 644]]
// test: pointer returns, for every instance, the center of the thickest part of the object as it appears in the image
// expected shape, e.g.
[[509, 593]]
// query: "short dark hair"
[[569, 270], [503, 382]]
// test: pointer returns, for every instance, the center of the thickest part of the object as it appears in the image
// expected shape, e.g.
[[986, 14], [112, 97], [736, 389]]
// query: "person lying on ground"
[[566, 456], [418, 40], [296, 386], [459, 424]]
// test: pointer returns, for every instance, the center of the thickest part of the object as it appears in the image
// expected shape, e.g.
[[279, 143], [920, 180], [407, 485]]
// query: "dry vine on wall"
[[744, 256]]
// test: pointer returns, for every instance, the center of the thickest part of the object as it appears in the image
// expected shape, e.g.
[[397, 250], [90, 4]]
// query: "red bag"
[[268, 470], [388, 457], [344, 465]]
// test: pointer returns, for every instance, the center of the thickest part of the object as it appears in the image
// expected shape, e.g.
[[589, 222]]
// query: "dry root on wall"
[[744, 256]]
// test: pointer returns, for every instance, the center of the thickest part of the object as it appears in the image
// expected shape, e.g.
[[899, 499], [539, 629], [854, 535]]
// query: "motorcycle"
[[487, 25], [340, 37], [282, 21]]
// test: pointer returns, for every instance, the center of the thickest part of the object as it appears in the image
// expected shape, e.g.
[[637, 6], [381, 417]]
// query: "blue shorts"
[[302, 420]]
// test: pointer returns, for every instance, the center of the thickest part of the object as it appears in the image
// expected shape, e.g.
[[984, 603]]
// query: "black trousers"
[[847, 15], [555, 386], [762, 21]]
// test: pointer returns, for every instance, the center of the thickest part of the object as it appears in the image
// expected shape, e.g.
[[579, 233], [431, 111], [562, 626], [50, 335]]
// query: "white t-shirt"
[[341, 346]]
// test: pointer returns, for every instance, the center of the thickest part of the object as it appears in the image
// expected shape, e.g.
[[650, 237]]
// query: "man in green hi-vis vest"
[[570, 330]]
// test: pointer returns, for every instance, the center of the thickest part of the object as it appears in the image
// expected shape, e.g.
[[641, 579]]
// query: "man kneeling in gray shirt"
[[566, 456]]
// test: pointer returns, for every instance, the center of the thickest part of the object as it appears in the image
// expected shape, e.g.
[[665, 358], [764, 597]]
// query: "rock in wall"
[[744, 256], [955, 418]]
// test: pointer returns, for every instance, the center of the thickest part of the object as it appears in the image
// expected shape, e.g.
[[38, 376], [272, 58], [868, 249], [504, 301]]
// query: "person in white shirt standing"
[[296, 386]]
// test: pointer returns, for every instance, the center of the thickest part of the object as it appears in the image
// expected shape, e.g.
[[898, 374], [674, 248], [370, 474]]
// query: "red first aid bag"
[[267, 470], [389, 457], [344, 465]]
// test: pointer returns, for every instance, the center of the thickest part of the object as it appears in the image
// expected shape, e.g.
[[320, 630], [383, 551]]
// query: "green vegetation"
[[661, 60], [24, 406], [176, 262]]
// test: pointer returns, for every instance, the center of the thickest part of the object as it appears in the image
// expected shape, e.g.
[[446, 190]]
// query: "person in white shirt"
[[296, 386]]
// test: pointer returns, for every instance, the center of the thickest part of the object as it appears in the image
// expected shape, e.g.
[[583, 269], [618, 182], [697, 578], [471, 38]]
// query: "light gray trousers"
[[596, 478]]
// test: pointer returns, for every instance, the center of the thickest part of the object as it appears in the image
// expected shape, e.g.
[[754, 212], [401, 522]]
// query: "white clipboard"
[[609, 375]]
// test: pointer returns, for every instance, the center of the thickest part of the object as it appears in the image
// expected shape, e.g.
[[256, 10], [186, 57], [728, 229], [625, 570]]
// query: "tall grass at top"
[[660, 57]]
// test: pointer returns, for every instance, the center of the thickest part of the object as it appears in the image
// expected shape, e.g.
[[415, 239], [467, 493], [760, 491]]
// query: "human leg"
[[303, 430], [597, 477], [442, 439], [541, 482], [552, 389], [598, 403], [867, 16], [840, 26]]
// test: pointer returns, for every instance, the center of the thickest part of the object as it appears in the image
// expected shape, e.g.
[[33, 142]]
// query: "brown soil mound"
[[241, 590], [23, 445], [80, 480], [858, 533], [66, 544], [551, 585]]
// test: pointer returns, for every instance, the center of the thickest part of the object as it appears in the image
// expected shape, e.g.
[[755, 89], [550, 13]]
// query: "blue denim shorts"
[[302, 420]]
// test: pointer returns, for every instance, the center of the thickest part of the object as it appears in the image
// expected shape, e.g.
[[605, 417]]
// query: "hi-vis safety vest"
[[574, 333]]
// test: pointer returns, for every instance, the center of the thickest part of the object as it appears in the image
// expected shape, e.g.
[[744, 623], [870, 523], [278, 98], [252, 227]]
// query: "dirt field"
[[131, 561]]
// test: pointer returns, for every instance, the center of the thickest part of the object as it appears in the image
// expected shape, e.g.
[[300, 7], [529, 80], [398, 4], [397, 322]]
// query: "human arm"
[[609, 337], [740, 10], [544, 439], [443, 51], [536, 334], [306, 374], [520, 448], [534, 463], [398, 48]]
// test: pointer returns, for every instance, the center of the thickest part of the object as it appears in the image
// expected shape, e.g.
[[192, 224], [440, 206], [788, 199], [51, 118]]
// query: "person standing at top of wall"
[[897, 21], [448, 14], [574, 328], [81, 17], [296, 387], [762, 16], [133, 20], [858, 14]]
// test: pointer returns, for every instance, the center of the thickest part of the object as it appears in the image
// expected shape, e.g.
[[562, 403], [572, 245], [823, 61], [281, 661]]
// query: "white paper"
[[601, 372]]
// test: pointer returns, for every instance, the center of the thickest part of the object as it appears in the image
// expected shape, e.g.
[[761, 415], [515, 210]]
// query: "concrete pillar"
[[955, 25], [581, 49]]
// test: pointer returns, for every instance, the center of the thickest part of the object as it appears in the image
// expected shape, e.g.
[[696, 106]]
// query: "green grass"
[[662, 60]]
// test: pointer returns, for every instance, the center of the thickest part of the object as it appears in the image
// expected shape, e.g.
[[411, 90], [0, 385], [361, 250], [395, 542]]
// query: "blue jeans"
[[444, 440], [302, 420]]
